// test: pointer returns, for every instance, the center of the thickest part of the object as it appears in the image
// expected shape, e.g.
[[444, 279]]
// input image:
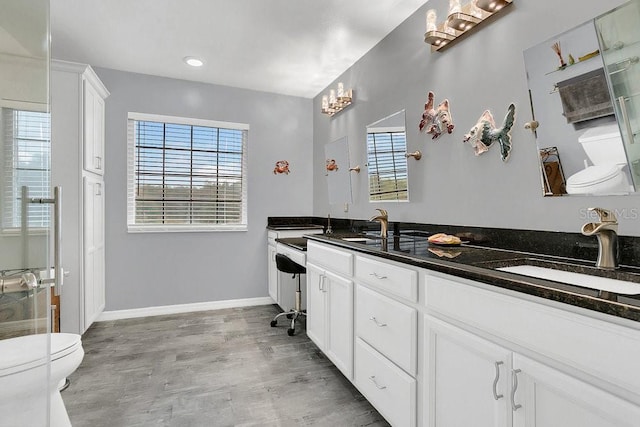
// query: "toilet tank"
[[603, 145]]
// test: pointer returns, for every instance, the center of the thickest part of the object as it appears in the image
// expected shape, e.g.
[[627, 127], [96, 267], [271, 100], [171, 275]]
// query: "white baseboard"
[[181, 308]]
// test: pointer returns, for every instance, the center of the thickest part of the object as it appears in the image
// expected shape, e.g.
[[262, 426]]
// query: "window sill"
[[184, 228]]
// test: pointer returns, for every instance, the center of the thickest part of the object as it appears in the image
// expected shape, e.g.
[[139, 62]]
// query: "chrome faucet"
[[607, 233], [383, 219]]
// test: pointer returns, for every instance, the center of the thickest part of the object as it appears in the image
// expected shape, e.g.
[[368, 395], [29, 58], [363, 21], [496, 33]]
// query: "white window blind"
[[27, 160], [387, 166], [186, 175]]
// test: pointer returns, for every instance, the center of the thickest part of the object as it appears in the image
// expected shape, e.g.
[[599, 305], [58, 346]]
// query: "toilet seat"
[[28, 352], [599, 178]]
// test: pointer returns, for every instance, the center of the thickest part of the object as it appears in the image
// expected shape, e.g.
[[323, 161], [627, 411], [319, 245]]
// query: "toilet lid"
[[26, 352], [593, 175]]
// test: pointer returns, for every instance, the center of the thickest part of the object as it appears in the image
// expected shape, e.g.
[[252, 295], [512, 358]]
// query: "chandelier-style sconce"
[[336, 101], [460, 20]]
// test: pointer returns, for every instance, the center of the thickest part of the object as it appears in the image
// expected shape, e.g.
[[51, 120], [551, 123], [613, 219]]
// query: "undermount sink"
[[622, 287], [356, 239]]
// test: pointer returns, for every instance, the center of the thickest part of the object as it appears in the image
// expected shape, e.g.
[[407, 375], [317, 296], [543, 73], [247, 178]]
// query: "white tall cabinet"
[[77, 138]]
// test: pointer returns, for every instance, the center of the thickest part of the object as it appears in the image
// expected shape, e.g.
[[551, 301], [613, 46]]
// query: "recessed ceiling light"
[[193, 61]]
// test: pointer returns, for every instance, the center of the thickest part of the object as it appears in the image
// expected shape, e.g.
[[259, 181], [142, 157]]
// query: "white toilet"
[[23, 367], [603, 146]]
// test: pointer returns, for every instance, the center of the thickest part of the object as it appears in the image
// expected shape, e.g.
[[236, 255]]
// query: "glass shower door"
[[26, 215], [619, 38]]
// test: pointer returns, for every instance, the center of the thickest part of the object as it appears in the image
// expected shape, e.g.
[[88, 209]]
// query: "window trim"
[[132, 227]]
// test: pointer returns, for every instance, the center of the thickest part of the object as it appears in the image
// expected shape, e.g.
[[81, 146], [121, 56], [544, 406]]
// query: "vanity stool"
[[286, 265]]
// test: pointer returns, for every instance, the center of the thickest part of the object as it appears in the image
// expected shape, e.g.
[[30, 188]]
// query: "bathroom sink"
[[607, 284]]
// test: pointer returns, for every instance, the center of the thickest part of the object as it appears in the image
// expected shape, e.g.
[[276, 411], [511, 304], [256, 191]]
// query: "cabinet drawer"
[[390, 390], [389, 326], [397, 280], [338, 261], [597, 348]]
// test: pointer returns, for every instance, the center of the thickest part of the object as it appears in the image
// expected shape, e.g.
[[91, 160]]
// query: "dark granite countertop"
[[479, 263], [298, 243], [295, 227]]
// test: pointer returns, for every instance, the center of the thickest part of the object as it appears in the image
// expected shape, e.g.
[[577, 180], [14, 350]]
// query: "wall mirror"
[[337, 171], [386, 159], [584, 86]]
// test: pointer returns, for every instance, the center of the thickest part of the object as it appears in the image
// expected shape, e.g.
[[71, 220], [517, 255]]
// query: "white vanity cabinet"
[[549, 397], [522, 363], [330, 316], [467, 378], [281, 286], [77, 141], [386, 330], [330, 304]]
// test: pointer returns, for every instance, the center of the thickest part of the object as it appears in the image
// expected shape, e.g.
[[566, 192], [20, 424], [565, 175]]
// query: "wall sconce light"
[[460, 20], [336, 101]]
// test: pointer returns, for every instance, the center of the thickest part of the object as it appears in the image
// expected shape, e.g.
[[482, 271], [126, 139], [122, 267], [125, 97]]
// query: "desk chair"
[[286, 265]]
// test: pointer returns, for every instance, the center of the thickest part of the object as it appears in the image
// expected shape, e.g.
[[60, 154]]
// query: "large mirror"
[[584, 86], [337, 171], [386, 159]]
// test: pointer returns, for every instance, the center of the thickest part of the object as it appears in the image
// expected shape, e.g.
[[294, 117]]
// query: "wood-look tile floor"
[[215, 368]]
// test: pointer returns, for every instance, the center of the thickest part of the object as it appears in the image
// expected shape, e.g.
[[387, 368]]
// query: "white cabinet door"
[[466, 381], [273, 273], [546, 397], [93, 125], [339, 321], [316, 306], [93, 275]]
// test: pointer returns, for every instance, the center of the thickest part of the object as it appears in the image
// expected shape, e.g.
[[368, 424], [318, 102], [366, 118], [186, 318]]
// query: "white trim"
[[395, 129], [186, 121], [133, 228], [182, 308]]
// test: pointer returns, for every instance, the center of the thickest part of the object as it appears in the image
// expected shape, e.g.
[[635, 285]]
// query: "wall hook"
[[416, 155], [355, 169], [532, 125]]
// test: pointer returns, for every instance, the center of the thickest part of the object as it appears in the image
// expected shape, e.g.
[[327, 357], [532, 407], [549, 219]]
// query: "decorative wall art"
[[282, 166], [436, 121], [331, 165], [484, 133]]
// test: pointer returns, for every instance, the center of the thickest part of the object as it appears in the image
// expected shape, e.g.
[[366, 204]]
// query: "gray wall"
[[484, 70], [154, 269]]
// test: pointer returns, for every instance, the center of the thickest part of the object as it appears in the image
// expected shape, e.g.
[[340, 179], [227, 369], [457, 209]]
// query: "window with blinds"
[[186, 174], [26, 163], [387, 166]]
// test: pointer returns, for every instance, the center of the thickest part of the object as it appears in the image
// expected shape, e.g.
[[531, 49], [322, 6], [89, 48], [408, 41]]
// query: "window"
[[26, 162], [387, 165], [186, 174]]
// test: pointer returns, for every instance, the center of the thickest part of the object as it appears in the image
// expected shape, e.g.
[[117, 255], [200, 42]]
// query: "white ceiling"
[[293, 47]]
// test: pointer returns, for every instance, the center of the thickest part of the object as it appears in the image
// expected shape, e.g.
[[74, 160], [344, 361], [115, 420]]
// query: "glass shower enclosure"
[[27, 215]]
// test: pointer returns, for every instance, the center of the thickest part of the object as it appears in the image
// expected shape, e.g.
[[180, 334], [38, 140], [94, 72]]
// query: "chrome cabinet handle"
[[514, 388], [497, 396], [373, 379], [374, 320], [377, 276]]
